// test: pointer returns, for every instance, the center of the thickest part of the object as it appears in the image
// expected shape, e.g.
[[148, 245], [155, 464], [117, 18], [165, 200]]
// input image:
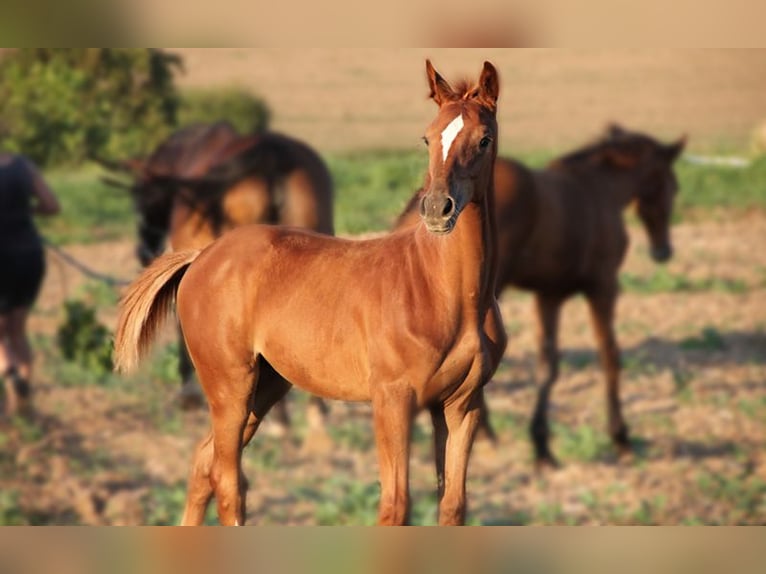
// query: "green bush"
[[83, 340], [63, 105], [245, 111]]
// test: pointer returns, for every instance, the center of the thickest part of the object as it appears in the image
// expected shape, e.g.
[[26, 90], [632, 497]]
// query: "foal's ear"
[[615, 131], [671, 151], [441, 91], [489, 85]]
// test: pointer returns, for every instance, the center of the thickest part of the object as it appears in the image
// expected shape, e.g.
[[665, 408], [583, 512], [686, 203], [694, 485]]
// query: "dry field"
[[376, 98], [694, 390]]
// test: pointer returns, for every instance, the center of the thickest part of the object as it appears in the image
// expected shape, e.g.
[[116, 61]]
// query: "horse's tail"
[[146, 306]]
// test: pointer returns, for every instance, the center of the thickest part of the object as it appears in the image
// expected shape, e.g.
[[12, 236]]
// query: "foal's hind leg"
[[548, 310], [602, 304], [270, 389], [190, 397]]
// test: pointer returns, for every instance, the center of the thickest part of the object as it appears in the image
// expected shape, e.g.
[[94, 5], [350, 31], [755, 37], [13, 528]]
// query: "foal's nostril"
[[423, 207], [449, 207]]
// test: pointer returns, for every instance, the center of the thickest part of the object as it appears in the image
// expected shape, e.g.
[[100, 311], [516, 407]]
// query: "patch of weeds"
[[11, 513], [645, 514], [745, 495], [425, 509], [617, 514], [509, 422], [83, 340], [583, 443], [98, 294], [709, 339], [663, 281], [164, 505], [353, 435], [345, 502], [590, 499], [550, 513], [29, 430], [164, 366], [692, 521], [514, 328], [265, 453], [572, 362], [638, 363], [681, 380], [753, 408]]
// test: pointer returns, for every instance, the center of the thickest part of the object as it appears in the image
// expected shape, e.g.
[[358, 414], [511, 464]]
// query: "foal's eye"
[[485, 141], [425, 140]]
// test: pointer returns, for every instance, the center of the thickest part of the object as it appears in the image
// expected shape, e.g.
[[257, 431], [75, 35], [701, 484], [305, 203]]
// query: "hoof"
[[191, 396], [546, 463]]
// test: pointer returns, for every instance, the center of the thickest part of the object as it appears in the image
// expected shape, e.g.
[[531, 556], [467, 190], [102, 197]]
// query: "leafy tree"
[[63, 105]]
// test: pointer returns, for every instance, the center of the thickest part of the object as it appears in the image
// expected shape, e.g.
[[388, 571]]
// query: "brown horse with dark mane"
[[205, 180], [408, 321], [561, 233]]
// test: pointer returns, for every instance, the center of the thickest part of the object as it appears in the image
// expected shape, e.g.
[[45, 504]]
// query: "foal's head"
[[462, 145]]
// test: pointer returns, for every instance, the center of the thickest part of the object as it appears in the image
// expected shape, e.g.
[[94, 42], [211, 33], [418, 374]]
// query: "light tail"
[[145, 307]]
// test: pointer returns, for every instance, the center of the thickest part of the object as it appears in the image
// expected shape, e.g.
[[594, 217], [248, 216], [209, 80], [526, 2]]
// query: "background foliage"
[[61, 106]]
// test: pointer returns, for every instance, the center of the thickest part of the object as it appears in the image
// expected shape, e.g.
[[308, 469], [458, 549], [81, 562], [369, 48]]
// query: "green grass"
[[663, 281], [709, 339], [710, 187], [91, 211], [583, 443], [372, 188], [744, 497]]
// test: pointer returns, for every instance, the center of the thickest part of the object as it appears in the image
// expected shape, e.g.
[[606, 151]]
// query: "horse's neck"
[[468, 255]]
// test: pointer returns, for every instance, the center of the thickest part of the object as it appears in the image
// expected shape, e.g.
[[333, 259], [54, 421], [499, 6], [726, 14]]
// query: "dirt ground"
[[693, 389], [346, 99]]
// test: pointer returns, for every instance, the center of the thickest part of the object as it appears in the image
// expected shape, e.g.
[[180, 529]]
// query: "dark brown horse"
[[561, 233], [207, 179], [408, 321]]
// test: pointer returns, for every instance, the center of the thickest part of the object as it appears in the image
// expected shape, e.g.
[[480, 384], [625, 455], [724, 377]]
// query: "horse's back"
[[551, 240]]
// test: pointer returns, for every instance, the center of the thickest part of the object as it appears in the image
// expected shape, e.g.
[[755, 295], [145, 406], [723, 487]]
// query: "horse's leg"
[[602, 305], [229, 384], [270, 389], [440, 446], [547, 310], [392, 408], [461, 418], [190, 396]]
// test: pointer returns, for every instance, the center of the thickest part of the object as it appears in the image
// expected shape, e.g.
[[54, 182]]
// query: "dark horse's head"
[[462, 145], [158, 180], [642, 169], [657, 183]]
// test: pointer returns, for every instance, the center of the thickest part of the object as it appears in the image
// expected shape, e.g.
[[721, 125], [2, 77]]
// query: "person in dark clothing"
[[23, 194]]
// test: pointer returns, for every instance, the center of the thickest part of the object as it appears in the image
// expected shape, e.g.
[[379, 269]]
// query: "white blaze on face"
[[449, 134]]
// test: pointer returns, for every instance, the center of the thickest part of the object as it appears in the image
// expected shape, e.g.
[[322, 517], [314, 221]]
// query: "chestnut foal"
[[408, 321]]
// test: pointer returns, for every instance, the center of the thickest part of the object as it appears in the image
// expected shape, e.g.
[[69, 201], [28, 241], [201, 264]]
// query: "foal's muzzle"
[[439, 212]]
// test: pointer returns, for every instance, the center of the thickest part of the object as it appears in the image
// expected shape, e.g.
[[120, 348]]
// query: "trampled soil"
[[693, 388]]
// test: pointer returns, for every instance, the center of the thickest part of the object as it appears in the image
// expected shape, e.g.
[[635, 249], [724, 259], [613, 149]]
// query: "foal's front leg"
[[393, 409], [460, 419]]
